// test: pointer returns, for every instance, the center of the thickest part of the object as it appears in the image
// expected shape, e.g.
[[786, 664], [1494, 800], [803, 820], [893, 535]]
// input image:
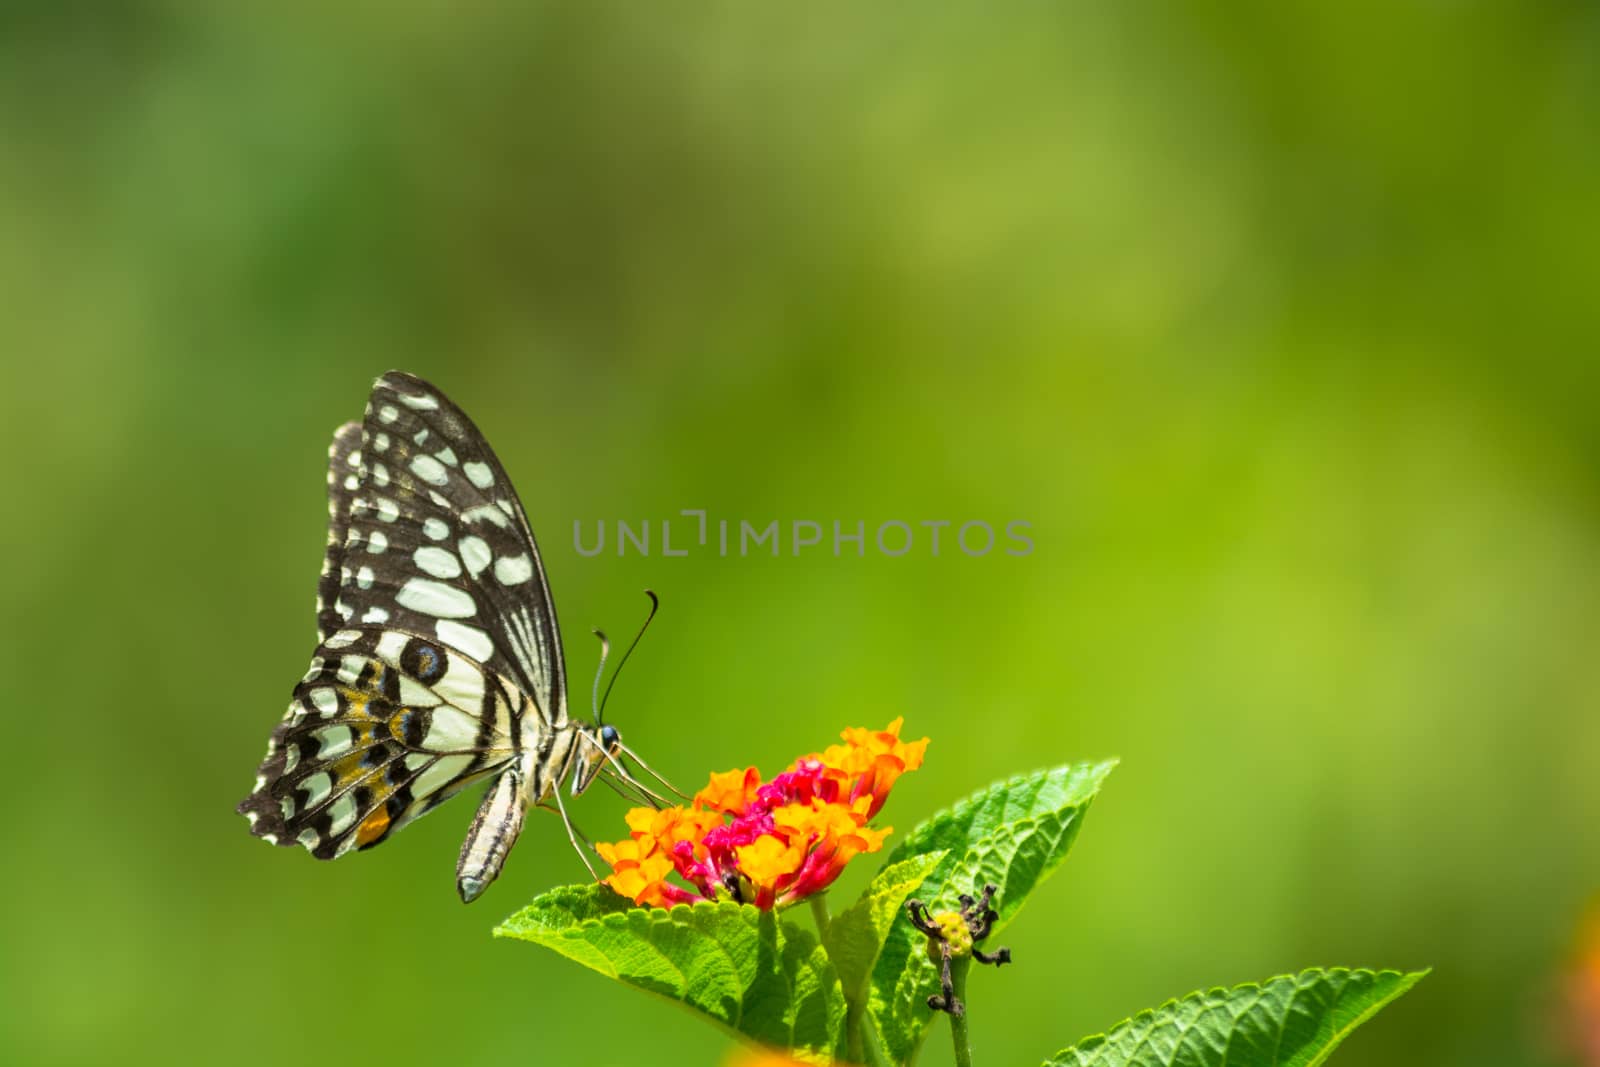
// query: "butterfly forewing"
[[438, 542], [344, 477], [435, 629]]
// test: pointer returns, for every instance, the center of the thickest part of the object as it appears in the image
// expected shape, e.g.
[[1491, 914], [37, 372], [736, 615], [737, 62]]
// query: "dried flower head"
[[953, 935], [765, 843]]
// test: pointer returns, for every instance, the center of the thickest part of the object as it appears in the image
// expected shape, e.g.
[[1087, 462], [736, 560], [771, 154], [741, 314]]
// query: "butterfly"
[[438, 662]]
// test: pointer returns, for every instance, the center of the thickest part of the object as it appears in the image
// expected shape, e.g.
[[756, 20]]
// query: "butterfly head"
[[598, 745]]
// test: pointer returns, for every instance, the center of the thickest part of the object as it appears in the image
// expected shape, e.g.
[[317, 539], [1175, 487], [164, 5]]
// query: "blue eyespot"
[[423, 661]]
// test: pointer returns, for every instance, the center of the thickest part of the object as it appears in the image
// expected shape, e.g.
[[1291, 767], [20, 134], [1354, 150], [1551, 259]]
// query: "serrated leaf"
[[1013, 834], [746, 969], [1292, 1021], [856, 934]]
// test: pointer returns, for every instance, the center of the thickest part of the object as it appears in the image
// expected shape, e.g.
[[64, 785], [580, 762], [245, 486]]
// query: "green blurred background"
[[1279, 327]]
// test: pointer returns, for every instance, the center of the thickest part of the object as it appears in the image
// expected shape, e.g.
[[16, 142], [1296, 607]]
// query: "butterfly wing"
[[438, 543], [383, 728], [435, 628]]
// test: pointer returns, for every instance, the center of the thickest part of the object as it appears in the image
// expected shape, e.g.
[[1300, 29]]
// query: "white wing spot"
[[352, 483], [343, 638], [377, 542], [436, 561], [380, 443], [430, 470], [436, 529], [309, 838], [436, 599], [479, 474], [475, 554], [286, 805], [486, 512], [388, 413], [317, 788], [513, 570], [325, 700], [343, 812], [390, 645], [376, 615], [364, 577], [334, 741], [441, 774], [353, 460], [419, 403], [446, 456], [451, 730], [469, 639], [413, 694], [380, 475], [388, 510]]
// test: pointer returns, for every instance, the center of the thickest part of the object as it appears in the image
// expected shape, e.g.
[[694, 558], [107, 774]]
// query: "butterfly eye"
[[610, 738]]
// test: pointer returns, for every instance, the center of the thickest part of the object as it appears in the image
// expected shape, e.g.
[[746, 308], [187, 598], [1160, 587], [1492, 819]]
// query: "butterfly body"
[[438, 663]]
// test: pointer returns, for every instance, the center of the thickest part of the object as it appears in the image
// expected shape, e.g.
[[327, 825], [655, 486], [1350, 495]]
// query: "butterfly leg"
[[573, 834]]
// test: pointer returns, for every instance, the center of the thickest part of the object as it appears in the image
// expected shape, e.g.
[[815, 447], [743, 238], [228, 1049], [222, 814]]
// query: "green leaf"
[[1296, 1020], [1013, 835], [856, 934], [747, 969]]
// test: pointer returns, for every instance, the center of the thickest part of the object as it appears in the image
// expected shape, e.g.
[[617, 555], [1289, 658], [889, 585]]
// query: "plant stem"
[[958, 1023], [819, 912], [858, 1048]]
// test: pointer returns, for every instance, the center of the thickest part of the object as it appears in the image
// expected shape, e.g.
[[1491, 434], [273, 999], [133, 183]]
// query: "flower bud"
[[954, 932]]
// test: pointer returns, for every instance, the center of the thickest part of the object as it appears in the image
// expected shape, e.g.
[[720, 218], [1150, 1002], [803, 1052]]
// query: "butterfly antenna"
[[600, 708], [605, 651]]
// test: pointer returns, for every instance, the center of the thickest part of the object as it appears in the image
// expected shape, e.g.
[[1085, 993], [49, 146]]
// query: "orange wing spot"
[[372, 827], [356, 703], [348, 769]]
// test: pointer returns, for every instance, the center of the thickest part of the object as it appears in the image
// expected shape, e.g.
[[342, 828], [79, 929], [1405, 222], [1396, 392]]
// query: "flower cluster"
[[765, 843], [1583, 992]]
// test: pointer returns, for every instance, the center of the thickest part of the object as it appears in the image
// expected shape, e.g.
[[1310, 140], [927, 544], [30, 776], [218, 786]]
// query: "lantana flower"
[[765, 843], [1583, 991]]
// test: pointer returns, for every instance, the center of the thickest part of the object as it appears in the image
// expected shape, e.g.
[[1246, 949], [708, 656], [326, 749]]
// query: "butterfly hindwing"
[[383, 728]]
